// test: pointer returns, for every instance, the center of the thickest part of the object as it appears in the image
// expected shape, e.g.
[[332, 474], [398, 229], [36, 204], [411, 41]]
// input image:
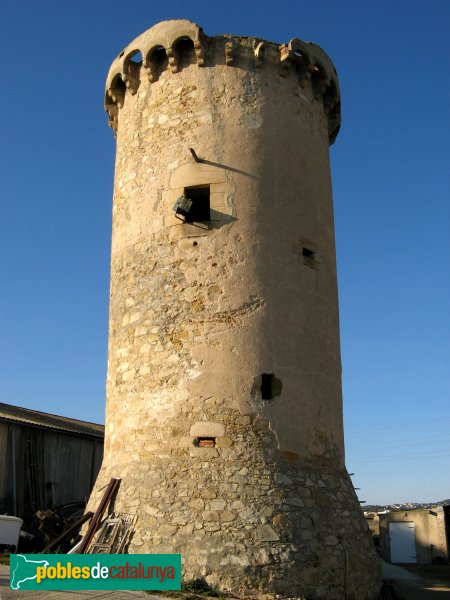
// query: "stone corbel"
[[131, 83], [229, 53], [113, 113], [130, 74], [148, 70], [172, 60], [320, 81], [300, 55], [285, 53], [117, 98], [199, 53], [259, 55], [285, 59], [334, 123], [329, 101], [271, 54], [304, 75]]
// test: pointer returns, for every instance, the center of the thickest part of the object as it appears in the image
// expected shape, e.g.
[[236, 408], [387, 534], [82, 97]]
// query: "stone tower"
[[224, 409]]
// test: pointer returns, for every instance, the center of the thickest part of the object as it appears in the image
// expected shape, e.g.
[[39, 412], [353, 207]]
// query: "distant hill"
[[405, 506]]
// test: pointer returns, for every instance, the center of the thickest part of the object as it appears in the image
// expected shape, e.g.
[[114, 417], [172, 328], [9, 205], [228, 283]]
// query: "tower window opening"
[[270, 386], [200, 208], [206, 442], [134, 63], [118, 89], [136, 58], [185, 52], [158, 62], [159, 56], [309, 258]]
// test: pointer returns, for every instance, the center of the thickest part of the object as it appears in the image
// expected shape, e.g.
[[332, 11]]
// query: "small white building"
[[418, 536]]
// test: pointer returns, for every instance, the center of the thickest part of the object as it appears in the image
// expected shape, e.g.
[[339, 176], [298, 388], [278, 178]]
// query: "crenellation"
[[182, 43]]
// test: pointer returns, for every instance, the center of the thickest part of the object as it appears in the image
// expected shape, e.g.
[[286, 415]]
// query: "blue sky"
[[391, 192]]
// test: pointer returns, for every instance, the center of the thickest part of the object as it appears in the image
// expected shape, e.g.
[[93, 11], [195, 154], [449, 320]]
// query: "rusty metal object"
[[71, 529], [112, 488]]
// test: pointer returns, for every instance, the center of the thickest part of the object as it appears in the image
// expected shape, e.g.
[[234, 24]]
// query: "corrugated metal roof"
[[35, 418]]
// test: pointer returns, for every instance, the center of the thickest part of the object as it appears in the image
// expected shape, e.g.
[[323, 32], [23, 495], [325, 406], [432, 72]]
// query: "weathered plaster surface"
[[199, 312]]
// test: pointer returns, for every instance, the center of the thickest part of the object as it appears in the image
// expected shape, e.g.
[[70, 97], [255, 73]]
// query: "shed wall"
[[43, 468]]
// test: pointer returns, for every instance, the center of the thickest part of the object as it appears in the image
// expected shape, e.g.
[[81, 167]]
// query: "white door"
[[403, 542]]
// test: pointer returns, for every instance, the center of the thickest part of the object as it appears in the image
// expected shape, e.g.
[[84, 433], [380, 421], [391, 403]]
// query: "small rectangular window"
[[200, 209], [270, 386], [309, 258]]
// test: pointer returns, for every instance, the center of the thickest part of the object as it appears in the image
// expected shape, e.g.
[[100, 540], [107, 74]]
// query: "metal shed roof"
[[35, 418]]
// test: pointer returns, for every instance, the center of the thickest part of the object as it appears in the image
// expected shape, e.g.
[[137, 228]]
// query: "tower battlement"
[[171, 46]]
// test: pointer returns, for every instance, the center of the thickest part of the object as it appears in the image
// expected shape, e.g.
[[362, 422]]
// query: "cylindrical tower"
[[224, 410]]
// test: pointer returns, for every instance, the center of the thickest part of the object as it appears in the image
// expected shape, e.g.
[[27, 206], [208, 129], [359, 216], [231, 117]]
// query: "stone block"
[[211, 516], [303, 492], [207, 429], [331, 540], [295, 501], [204, 453], [262, 557], [265, 512], [223, 442], [197, 504], [306, 523], [167, 530], [151, 510], [244, 420], [227, 516], [282, 479], [217, 504], [186, 442], [265, 533]]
